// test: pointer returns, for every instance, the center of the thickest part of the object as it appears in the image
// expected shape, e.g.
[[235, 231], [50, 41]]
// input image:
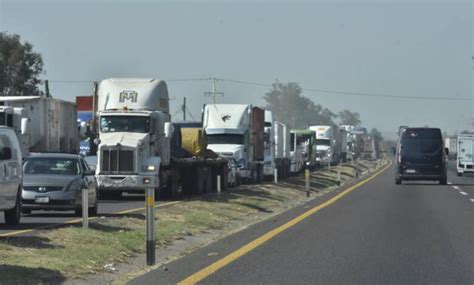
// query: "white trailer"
[[42, 124], [465, 154], [282, 149], [296, 153]]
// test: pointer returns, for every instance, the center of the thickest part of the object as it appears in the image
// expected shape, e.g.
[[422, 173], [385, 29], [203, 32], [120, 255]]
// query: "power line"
[[355, 93]]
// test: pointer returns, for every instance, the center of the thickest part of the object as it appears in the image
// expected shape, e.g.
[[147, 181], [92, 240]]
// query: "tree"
[[376, 134], [346, 117], [20, 67], [295, 110]]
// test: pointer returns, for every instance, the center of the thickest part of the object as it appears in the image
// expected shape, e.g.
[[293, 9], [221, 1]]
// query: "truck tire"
[[12, 216]]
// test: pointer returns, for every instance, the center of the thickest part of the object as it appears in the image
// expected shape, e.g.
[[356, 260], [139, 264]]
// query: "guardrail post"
[[150, 226], [329, 165], [85, 208], [275, 175], [338, 177]]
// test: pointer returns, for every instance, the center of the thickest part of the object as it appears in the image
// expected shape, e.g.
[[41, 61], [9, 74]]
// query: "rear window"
[[421, 141], [432, 134]]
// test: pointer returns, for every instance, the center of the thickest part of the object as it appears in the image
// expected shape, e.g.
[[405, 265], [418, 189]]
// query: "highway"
[[374, 232]]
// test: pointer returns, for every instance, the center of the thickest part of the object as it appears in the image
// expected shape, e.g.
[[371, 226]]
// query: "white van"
[[11, 175], [465, 154]]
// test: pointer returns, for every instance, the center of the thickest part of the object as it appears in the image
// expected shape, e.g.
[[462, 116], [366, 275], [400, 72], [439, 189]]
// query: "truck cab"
[[134, 134]]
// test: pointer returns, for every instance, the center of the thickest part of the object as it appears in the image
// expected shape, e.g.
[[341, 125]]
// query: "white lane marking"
[[472, 200], [463, 193], [449, 183], [456, 187]]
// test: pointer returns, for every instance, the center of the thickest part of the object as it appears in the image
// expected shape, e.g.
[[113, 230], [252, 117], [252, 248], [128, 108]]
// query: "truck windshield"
[[225, 139], [323, 142], [132, 124]]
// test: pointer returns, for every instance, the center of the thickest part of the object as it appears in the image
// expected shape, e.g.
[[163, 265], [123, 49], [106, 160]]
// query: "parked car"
[[234, 172], [10, 176], [422, 156], [55, 182]]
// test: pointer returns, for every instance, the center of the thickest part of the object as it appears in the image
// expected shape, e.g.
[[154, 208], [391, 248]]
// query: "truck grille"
[[117, 161]]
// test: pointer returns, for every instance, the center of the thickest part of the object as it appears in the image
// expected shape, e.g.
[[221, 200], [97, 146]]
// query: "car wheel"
[[12, 217], [398, 180]]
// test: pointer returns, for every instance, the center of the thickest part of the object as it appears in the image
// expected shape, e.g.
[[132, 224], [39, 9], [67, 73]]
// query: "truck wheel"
[[12, 217]]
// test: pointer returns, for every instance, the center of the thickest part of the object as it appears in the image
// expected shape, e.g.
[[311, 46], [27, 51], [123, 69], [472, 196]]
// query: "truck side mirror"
[[25, 123], [5, 153], [168, 130]]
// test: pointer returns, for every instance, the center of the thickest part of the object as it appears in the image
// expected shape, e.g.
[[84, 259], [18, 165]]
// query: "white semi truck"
[[42, 124], [134, 149], [327, 141], [465, 154], [235, 130]]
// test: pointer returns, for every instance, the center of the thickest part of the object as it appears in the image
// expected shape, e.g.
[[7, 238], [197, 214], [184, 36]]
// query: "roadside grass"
[[52, 256]]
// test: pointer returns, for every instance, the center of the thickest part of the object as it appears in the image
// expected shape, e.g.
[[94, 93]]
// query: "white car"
[[234, 174], [11, 176]]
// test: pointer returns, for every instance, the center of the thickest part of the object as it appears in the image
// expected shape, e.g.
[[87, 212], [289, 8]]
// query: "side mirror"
[[6, 153], [25, 126], [446, 150], [168, 130]]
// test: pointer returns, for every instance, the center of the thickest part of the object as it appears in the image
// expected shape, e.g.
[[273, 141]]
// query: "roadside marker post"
[[339, 177], [275, 175], [85, 208], [218, 185], [329, 165], [150, 226], [306, 176]]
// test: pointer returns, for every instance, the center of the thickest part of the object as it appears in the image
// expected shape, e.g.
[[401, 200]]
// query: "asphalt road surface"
[[379, 233]]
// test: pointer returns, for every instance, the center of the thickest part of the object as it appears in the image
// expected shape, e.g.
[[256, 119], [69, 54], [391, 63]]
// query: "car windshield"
[[132, 124], [225, 139], [51, 166]]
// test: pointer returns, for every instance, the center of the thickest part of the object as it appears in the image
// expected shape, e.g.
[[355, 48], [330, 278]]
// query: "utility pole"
[[183, 109], [213, 92]]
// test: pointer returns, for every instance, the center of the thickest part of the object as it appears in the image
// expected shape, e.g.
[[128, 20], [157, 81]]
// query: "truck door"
[[9, 178]]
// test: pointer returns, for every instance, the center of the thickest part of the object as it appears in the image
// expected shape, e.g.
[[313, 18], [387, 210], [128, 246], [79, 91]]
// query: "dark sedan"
[[55, 182]]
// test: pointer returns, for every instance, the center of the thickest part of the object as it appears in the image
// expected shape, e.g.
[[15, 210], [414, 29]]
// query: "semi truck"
[[134, 143], [307, 140], [451, 144], [42, 124], [236, 130], [296, 153], [328, 143], [465, 154], [351, 141]]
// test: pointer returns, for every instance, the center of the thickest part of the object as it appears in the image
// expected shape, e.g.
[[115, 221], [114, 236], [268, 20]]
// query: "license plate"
[[42, 200], [411, 171]]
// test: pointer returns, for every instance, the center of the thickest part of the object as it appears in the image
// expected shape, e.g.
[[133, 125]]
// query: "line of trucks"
[[127, 125]]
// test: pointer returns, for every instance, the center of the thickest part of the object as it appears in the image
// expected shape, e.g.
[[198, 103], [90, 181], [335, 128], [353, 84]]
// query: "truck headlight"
[[149, 168]]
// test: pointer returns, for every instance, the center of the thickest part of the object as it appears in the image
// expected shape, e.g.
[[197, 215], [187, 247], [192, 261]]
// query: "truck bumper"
[[126, 183], [465, 169]]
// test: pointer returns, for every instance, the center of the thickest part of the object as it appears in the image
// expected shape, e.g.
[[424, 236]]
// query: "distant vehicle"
[[451, 144], [233, 172], [421, 156], [306, 139], [296, 153], [55, 182], [328, 144], [465, 155], [10, 176]]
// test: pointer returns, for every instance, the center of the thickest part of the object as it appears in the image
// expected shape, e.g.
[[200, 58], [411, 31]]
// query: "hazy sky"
[[402, 48]]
